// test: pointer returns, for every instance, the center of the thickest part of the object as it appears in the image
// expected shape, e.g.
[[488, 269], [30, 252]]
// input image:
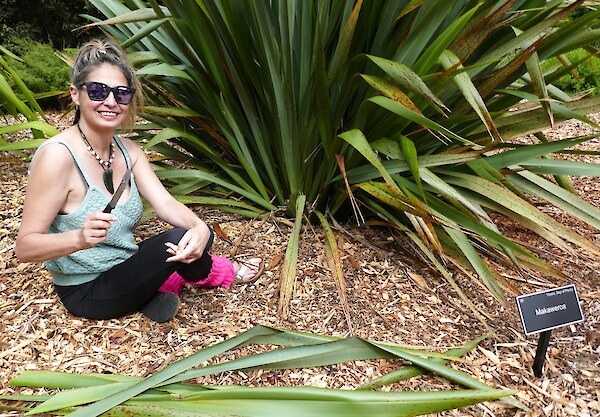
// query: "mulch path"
[[391, 296]]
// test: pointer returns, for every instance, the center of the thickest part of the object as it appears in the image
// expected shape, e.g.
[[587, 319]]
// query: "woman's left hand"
[[191, 246]]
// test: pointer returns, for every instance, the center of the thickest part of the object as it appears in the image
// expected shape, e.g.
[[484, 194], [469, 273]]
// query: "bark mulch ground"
[[391, 296]]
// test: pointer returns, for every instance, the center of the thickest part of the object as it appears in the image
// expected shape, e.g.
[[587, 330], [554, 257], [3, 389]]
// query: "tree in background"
[[45, 21], [33, 30]]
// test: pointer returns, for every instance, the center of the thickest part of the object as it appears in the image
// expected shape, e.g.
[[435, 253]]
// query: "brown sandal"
[[248, 265]]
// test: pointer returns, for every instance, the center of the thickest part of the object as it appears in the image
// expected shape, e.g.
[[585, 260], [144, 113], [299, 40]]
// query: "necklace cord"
[[104, 164], [107, 176]]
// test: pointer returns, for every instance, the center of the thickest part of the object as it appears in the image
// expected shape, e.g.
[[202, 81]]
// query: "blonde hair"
[[102, 51]]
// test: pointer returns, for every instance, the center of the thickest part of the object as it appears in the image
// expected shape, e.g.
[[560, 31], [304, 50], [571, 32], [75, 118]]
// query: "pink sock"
[[221, 273], [173, 283]]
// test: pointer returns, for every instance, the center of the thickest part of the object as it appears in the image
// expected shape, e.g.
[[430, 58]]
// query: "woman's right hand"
[[95, 229]]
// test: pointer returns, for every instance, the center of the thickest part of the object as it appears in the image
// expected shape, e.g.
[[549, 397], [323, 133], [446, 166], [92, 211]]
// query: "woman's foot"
[[222, 274], [248, 270]]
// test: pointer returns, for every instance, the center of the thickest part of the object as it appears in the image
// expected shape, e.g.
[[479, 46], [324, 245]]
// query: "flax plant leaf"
[[159, 394]]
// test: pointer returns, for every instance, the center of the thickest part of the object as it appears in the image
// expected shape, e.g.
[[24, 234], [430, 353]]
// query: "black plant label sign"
[[547, 310]]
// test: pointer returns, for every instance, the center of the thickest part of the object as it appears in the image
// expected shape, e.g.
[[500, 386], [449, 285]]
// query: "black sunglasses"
[[99, 91]]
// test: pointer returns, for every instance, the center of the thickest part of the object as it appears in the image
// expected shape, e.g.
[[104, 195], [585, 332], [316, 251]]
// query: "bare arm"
[[175, 213], [48, 187]]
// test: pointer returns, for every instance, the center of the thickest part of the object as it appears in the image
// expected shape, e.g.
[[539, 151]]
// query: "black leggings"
[[127, 287]]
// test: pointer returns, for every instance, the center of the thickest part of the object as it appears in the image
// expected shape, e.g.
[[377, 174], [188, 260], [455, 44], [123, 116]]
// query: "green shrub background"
[[586, 78], [40, 69]]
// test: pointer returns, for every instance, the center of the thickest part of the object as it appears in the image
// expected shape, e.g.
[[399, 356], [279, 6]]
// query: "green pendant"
[[108, 180]]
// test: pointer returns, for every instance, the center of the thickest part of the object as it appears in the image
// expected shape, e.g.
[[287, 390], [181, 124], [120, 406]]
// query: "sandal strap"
[[241, 272]]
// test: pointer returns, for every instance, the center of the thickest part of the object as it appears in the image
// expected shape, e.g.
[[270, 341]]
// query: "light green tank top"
[[86, 265]]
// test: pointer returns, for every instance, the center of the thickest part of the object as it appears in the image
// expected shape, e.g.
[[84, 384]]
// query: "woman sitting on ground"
[[98, 270]]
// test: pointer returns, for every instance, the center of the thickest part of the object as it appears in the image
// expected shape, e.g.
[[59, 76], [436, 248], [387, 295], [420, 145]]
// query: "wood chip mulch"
[[392, 297]]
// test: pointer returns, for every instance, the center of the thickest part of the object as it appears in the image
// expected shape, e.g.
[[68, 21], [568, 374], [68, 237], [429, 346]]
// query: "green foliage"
[[39, 67], [389, 109], [18, 100], [584, 78], [164, 393], [47, 21]]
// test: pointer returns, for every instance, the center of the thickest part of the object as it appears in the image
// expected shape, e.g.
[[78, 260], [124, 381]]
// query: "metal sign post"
[[546, 310], [540, 353]]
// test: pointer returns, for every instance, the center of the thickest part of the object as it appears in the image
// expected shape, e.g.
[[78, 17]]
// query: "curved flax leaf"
[[288, 275], [410, 371], [398, 165], [534, 226], [469, 91], [455, 198], [477, 263], [522, 154], [409, 151], [318, 402], [62, 380], [405, 112], [390, 91], [517, 124], [358, 140], [165, 70], [561, 167], [412, 5], [328, 353], [558, 196], [335, 264], [80, 396], [447, 372], [431, 55], [408, 80], [509, 200], [390, 195], [555, 106], [197, 174], [146, 30], [20, 145], [139, 15], [153, 397], [170, 371]]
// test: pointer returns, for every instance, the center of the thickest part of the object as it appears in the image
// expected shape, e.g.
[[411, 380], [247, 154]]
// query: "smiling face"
[[105, 115]]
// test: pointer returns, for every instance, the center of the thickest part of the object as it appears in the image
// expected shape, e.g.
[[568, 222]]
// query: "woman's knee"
[[174, 236]]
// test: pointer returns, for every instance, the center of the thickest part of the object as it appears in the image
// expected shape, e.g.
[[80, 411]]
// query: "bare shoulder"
[[54, 156], [133, 149]]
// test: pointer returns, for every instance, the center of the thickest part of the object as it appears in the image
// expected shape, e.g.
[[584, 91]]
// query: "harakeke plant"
[[405, 111]]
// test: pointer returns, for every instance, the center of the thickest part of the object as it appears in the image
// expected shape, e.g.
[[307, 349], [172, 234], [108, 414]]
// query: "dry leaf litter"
[[392, 297]]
